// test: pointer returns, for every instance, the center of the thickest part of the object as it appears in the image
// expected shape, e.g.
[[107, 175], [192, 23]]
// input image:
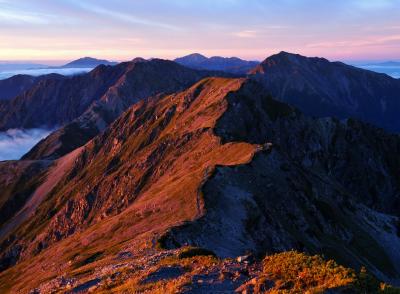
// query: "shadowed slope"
[[89, 103], [16, 85], [322, 88]]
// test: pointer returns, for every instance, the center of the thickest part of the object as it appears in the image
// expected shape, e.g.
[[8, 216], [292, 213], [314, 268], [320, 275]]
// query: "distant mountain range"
[[88, 62], [228, 64], [84, 62], [78, 66]]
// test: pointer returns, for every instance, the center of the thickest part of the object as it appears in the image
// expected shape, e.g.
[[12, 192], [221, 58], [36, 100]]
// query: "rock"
[[331, 89]]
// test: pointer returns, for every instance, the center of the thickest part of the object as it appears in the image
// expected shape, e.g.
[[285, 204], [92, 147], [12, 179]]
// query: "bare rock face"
[[322, 88]]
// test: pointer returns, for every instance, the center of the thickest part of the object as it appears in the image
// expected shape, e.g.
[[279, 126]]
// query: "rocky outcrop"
[[322, 88]]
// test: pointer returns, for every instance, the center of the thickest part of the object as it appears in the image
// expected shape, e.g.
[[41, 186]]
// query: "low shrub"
[[294, 272], [299, 273]]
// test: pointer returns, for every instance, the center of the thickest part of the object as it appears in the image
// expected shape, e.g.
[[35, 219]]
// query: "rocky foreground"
[[196, 270]]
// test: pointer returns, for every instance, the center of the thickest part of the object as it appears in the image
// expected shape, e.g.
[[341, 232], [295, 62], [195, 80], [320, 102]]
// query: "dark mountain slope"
[[228, 64], [86, 104], [322, 88], [16, 85], [18, 180], [55, 102], [224, 166], [67, 99]]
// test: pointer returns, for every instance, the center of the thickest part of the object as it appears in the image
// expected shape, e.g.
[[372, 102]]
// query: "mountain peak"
[[322, 88], [138, 59], [88, 62], [292, 57], [192, 58]]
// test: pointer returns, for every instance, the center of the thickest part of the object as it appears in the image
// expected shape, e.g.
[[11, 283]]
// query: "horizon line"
[[54, 61]]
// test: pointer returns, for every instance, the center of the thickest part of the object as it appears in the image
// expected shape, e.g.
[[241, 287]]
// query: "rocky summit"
[[334, 89], [214, 186]]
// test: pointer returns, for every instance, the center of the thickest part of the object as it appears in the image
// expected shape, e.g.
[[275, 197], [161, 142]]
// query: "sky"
[[54, 31]]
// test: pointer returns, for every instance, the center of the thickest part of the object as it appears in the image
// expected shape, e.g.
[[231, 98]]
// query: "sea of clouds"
[[16, 142], [43, 71], [393, 71]]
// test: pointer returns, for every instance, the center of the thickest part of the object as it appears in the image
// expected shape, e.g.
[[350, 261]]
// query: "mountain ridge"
[[165, 170], [108, 91], [321, 88], [172, 161], [229, 64], [16, 85]]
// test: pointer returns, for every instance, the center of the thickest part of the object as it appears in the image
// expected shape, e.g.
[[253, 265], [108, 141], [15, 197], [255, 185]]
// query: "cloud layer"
[[393, 71], [16, 142], [43, 71]]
